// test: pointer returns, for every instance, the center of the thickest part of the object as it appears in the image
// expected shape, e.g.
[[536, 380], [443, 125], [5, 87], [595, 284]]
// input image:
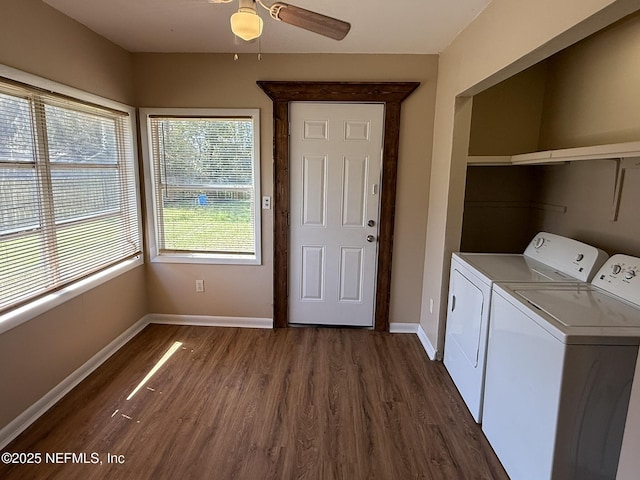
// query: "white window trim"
[[149, 184], [32, 309]]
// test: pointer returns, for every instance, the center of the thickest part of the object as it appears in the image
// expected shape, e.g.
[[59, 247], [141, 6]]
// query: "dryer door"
[[464, 318]]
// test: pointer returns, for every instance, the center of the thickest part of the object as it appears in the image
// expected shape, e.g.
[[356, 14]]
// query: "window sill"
[[41, 305], [201, 258]]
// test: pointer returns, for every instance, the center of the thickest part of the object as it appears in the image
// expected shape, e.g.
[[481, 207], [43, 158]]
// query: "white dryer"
[[560, 364], [548, 258]]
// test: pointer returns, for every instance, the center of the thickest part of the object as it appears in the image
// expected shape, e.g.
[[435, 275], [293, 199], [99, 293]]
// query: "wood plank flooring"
[[295, 403]]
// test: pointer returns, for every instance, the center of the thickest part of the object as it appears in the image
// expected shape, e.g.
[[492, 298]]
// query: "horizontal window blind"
[[68, 201], [204, 188]]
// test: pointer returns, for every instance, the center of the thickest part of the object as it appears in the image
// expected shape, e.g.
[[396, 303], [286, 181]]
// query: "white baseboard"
[[416, 328], [432, 353], [31, 414], [403, 327], [210, 321]]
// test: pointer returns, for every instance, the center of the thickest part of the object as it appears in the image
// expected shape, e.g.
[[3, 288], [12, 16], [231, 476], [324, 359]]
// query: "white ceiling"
[[377, 26]]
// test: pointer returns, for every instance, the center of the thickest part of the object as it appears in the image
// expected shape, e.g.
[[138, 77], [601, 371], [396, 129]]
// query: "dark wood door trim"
[[391, 94]]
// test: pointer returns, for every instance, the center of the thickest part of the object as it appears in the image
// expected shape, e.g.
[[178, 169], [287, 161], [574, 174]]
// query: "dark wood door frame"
[[391, 94]]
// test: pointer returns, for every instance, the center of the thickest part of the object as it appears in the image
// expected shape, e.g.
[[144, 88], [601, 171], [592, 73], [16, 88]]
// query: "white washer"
[[560, 364], [548, 258]]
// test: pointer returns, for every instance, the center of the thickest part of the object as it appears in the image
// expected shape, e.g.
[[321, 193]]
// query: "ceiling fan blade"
[[308, 20]]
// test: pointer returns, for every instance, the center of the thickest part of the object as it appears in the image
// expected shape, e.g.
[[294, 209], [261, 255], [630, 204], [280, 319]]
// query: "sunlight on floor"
[[157, 366]]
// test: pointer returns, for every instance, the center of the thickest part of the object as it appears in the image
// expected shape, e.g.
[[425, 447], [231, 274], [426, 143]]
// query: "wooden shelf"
[[595, 152], [489, 160]]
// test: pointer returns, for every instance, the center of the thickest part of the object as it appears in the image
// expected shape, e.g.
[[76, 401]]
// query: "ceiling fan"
[[246, 23]]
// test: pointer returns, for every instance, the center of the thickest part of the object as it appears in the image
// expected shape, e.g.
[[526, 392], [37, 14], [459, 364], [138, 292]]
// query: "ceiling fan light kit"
[[246, 23]]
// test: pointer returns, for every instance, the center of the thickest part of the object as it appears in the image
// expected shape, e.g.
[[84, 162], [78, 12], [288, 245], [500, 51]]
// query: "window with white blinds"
[[204, 170], [68, 201]]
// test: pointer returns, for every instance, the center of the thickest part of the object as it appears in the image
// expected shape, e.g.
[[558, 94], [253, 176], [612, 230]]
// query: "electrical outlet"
[[266, 203], [199, 286]]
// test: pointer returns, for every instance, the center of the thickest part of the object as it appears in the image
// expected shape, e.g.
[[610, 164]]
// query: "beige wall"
[[498, 209], [586, 189], [584, 95], [506, 38], [506, 118], [38, 39], [592, 90], [216, 80], [39, 354]]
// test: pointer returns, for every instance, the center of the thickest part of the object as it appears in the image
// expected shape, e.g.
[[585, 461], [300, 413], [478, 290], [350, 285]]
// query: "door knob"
[[370, 238]]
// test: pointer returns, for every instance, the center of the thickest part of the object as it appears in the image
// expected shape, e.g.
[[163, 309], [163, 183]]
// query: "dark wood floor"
[[296, 403]]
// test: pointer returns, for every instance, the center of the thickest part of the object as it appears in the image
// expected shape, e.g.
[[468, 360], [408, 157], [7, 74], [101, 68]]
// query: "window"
[[68, 201], [203, 169]]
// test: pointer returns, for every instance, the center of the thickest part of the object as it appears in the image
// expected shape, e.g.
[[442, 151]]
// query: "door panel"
[[464, 321], [354, 191], [312, 273], [314, 190], [351, 274], [335, 164]]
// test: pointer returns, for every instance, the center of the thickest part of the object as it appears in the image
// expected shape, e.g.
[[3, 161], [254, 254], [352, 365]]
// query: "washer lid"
[[512, 268], [582, 313]]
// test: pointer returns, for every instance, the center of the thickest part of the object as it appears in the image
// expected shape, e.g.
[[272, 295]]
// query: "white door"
[[335, 162]]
